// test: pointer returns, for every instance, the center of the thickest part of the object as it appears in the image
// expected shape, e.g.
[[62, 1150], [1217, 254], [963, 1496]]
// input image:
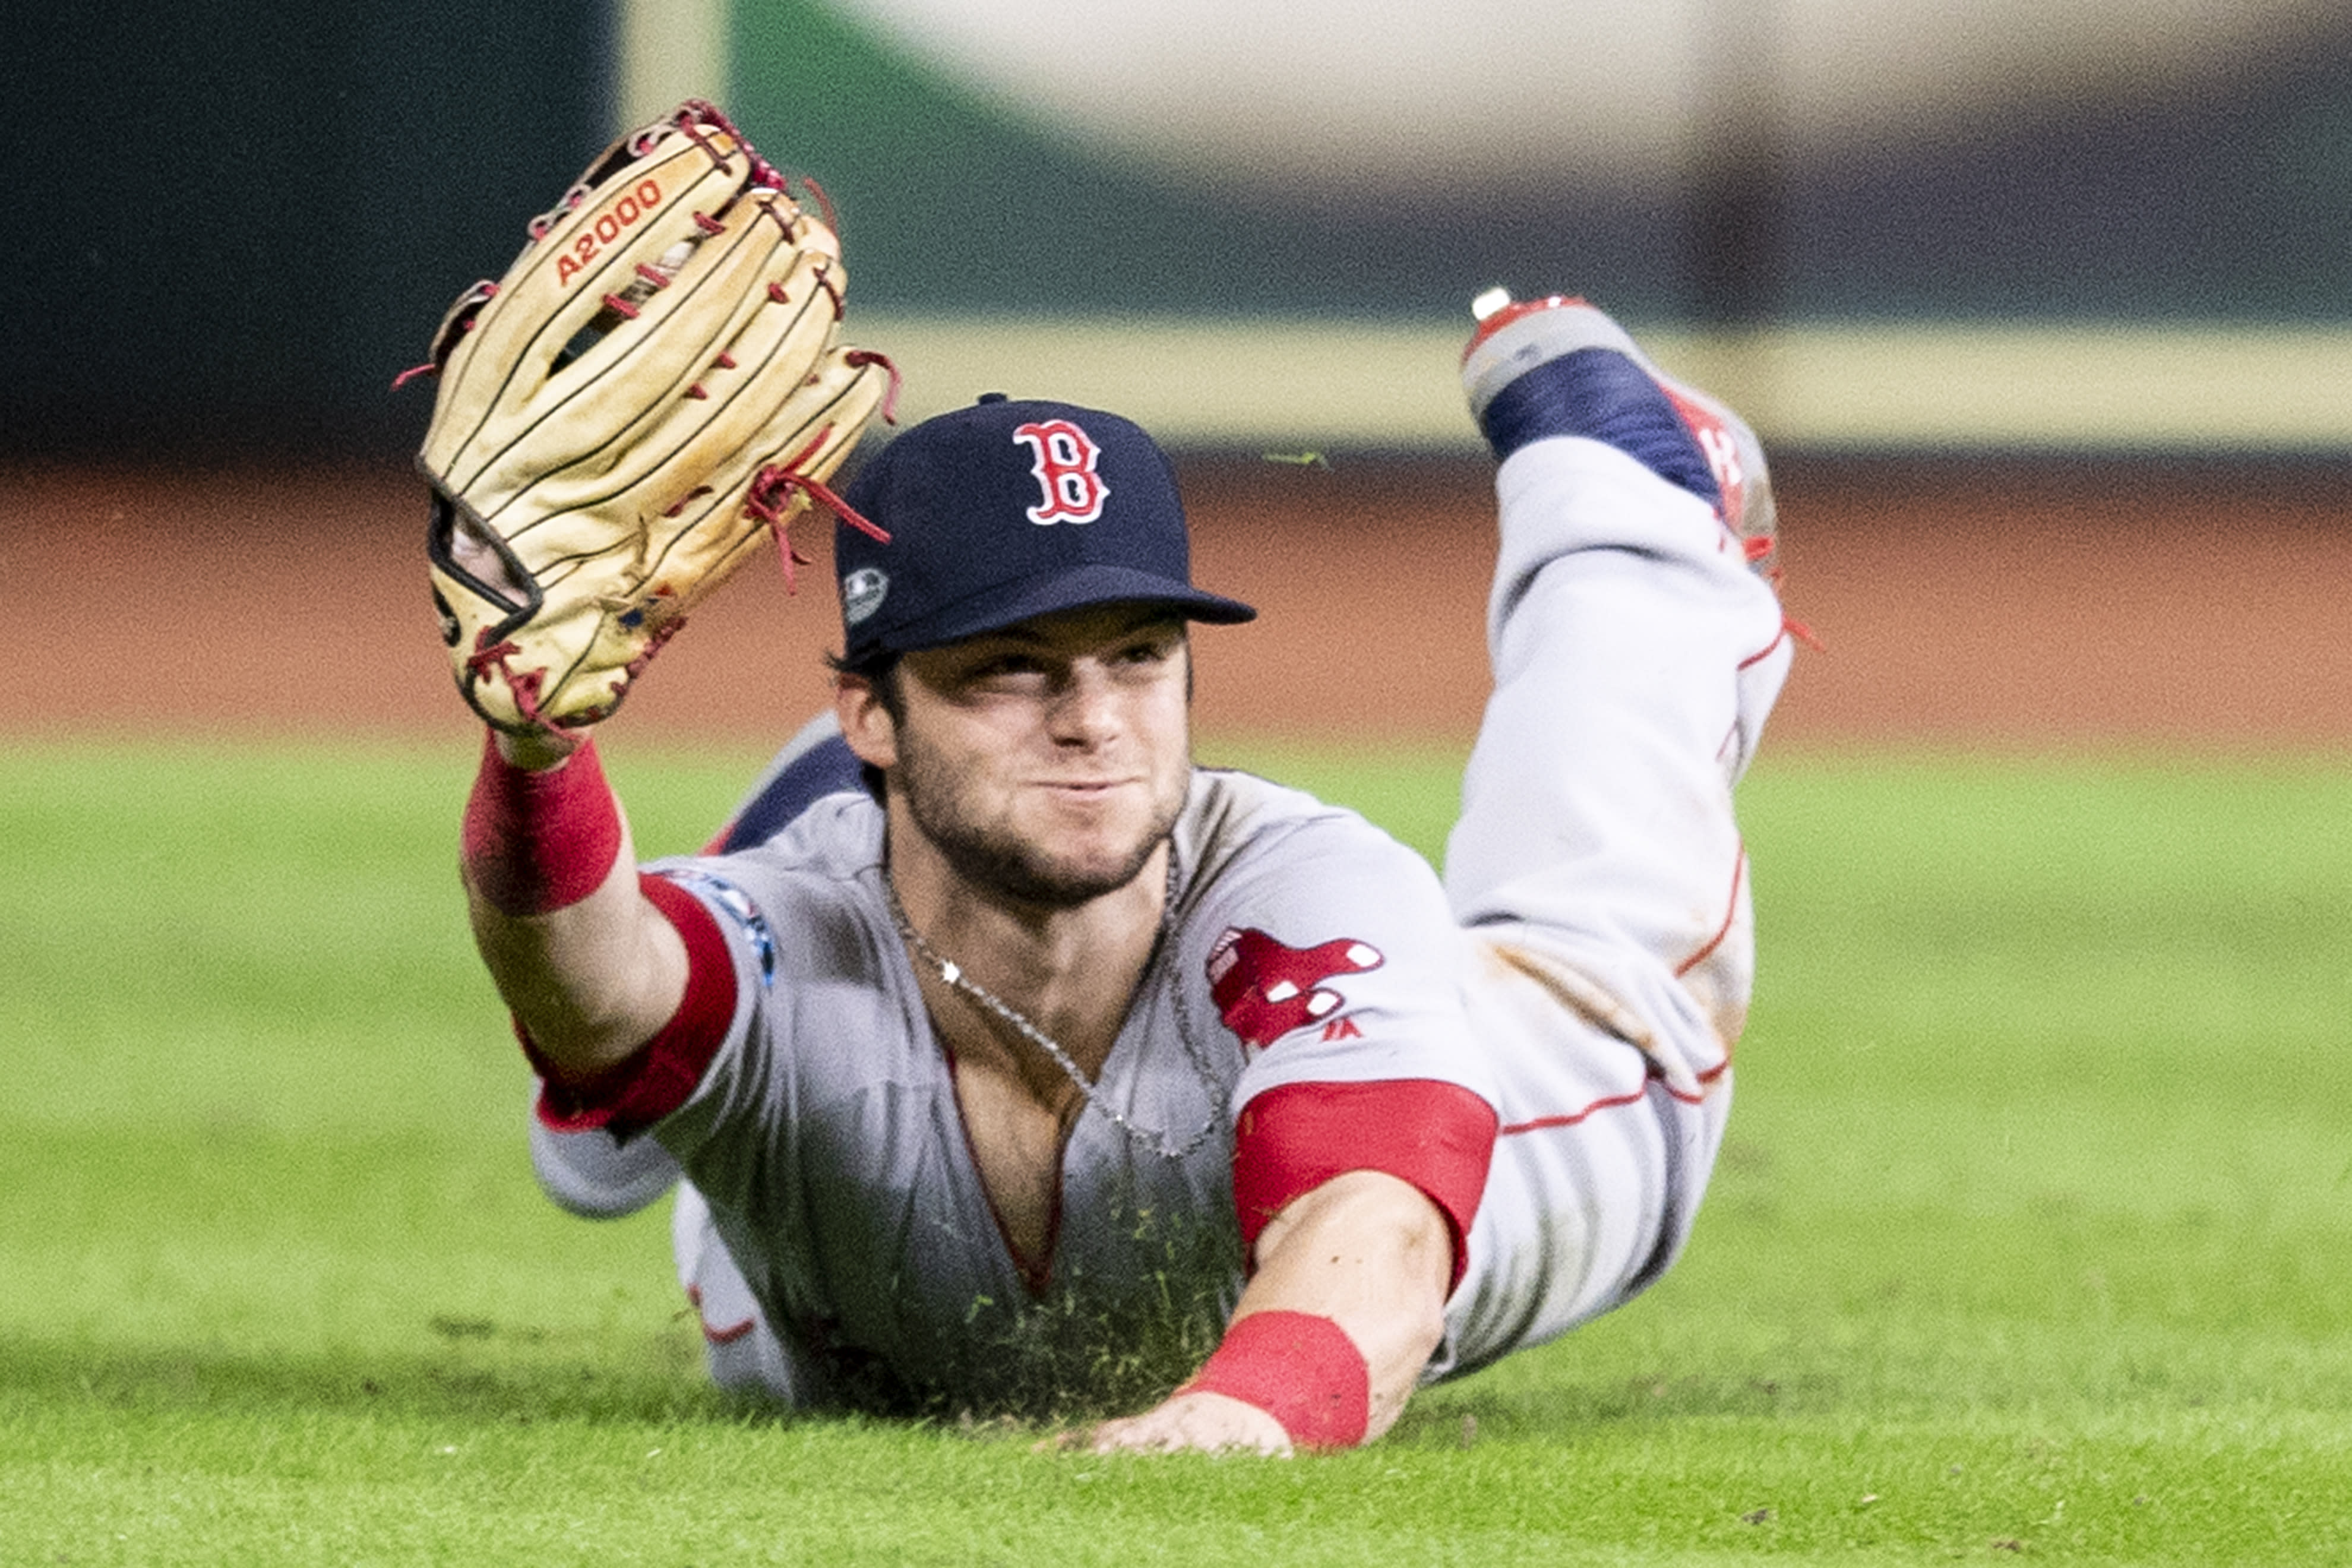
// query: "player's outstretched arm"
[[654, 385], [591, 968], [1329, 1339]]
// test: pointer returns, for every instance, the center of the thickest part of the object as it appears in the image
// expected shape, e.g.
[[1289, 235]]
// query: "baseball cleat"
[[1559, 366]]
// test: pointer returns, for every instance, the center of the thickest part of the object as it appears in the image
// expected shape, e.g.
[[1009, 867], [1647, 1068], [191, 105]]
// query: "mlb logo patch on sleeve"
[[1265, 988], [738, 907]]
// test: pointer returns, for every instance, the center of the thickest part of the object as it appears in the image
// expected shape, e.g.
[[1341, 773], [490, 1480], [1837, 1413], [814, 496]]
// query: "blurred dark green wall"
[[2227, 199], [231, 223], [951, 203]]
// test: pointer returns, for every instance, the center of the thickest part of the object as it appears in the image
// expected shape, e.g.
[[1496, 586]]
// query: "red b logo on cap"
[[1065, 467]]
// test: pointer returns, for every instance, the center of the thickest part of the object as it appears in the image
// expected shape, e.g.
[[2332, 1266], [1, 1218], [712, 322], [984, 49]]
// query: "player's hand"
[[584, 502], [1189, 1424]]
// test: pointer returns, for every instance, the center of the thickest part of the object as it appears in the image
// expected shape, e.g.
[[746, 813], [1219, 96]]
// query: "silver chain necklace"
[[952, 974]]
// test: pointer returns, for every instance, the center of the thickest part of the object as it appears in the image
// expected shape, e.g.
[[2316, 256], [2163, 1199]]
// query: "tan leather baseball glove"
[[654, 387]]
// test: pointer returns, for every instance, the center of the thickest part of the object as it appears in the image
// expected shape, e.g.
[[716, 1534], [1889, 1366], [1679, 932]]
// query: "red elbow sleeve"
[[1439, 1137], [663, 1073]]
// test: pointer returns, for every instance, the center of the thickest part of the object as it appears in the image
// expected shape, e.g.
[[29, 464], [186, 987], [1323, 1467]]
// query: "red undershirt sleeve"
[[660, 1075], [1439, 1137]]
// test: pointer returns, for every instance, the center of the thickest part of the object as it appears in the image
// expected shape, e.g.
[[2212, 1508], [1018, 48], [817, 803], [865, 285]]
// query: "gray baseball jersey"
[[1303, 947]]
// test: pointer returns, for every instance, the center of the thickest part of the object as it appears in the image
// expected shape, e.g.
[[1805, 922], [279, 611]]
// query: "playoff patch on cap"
[[862, 593], [1009, 509]]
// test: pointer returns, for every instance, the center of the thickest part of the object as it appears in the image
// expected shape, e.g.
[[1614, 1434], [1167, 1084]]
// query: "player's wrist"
[[1301, 1369], [540, 839], [534, 753]]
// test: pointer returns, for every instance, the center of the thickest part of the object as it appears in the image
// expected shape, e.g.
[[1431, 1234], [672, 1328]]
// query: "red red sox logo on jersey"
[[1265, 988], [1066, 456]]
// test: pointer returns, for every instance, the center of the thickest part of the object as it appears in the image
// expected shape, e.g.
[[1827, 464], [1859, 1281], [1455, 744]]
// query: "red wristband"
[[535, 842], [1302, 1370]]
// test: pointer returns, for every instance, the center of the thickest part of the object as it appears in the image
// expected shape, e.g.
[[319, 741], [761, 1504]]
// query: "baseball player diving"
[[1001, 1058]]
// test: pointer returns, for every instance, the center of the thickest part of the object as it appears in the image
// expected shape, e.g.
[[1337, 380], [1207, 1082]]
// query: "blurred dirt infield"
[[2021, 608]]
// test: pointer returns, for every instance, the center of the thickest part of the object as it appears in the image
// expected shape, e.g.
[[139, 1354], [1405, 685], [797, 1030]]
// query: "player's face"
[[1048, 760]]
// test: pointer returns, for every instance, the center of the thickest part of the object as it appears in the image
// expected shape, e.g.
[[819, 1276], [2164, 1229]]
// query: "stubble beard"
[[998, 860]]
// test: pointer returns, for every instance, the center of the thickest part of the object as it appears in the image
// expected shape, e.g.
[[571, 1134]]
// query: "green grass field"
[[2032, 1238]]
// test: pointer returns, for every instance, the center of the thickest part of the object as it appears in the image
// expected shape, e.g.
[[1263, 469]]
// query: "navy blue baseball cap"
[[1008, 509]]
